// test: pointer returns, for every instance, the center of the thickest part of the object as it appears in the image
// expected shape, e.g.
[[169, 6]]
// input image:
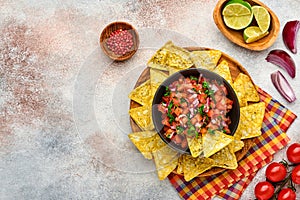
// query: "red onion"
[[289, 35], [283, 86], [283, 60]]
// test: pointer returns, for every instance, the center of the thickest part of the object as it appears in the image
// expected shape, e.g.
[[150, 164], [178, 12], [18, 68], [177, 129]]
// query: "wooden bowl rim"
[[255, 46], [108, 52]]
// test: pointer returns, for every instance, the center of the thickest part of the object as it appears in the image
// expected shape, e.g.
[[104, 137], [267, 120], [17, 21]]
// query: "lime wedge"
[[237, 15], [253, 33], [262, 17]]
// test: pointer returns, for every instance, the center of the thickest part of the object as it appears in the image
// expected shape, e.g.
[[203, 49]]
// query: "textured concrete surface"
[[63, 103]]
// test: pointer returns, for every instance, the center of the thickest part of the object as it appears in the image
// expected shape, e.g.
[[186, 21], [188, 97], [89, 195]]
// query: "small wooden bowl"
[[106, 34], [237, 36]]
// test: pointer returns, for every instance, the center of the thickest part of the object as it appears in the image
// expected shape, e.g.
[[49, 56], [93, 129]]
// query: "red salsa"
[[193, 106]]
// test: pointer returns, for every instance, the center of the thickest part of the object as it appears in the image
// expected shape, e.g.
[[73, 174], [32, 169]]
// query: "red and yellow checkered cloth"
[[231, 183]]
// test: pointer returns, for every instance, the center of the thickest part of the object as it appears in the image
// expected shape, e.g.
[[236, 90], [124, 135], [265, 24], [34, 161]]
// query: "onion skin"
[[282, 59], [283, 86], [289, 35]]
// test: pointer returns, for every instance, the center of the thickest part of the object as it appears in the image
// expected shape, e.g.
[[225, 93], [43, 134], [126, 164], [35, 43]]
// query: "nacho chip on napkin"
[[192, 167], [214, 141], [245, 90], [225, 158], [251, 119]]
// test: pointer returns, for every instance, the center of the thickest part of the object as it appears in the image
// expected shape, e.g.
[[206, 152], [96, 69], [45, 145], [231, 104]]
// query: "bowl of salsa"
[[192, 102]]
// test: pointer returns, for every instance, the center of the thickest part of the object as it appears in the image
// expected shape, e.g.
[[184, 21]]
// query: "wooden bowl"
[[237, 36], [106, 34], [235, 69]]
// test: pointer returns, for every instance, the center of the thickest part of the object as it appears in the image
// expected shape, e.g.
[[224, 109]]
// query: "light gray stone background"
[[63, 103]]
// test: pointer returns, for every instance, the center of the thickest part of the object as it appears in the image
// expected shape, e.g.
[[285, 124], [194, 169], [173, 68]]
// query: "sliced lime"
[[253, 33], [237, 14], [244, 3], [262, 17]]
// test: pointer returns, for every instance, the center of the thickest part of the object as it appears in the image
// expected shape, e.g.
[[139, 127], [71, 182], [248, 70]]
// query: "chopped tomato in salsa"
[[193, 106]]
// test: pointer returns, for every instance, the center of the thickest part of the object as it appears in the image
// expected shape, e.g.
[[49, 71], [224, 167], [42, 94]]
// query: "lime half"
[[244, 3], [236, 15], [262, 17], [253, 33]]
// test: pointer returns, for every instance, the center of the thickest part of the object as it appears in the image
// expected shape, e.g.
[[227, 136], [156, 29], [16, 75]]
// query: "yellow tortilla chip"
[[239, 88], [245, 90], [237, 145], [214, 142], [251, 119], [250, 90], [158, 60], [170, 56], [193, 167], [172, 70], [180, 164], [195, 145], [206, 59], [142, 94], [146, 142], [156, 78], [223, 70], [225, 158], [166, 160], [143, 117]]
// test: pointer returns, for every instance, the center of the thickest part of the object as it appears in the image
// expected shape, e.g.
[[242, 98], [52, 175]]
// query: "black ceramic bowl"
[[234, 113]]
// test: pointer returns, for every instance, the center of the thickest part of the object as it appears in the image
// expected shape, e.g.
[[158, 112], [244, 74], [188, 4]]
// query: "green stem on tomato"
[[283, 183]]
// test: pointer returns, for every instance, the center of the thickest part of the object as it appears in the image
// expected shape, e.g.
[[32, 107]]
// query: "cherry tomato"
[[296, 175], [275, 172], [293, 153], [264, 190], [286, 194]]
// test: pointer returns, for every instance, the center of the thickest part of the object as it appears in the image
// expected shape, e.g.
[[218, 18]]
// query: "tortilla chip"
[[172, 70], [158, 60], [178, 57], [146, 142], [214, 142], [142, 94], [239, 88], [250, 90], [143, 117], [156, 78], [245, 90], [223, 70], [166, 160], [206, 59], [180, 164], [251, 119], [225, 158], [195, 145], [170, 56], [237, 145], [194, 166]]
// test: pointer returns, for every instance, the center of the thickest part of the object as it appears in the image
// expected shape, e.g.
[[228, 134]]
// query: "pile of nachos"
[[166, 61]]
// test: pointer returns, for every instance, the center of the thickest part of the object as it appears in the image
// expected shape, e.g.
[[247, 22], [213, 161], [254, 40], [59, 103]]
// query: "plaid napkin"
[[231, 183]]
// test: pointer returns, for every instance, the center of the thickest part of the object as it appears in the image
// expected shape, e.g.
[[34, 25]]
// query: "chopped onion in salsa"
[[193, 106]]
